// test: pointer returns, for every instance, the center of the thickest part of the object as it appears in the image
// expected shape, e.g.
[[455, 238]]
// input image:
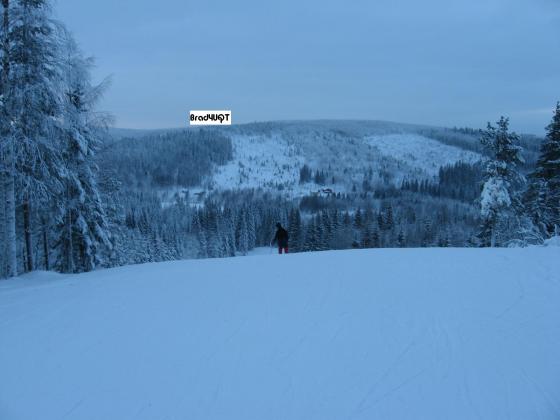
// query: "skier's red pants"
[[284, 248]]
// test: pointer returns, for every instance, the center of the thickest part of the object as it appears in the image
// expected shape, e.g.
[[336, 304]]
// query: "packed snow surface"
[[372, 334]]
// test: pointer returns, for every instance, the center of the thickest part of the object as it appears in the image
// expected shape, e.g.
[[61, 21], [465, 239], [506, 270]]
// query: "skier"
[[281, 238]]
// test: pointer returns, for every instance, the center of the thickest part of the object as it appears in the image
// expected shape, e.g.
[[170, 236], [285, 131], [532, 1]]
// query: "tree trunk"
[[27, 232], [70, 246], [45, 245]]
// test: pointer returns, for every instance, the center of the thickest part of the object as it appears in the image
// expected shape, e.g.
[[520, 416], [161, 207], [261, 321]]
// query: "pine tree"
[[401, 238], [380, 221], [327, 228], [543, 194], [501, 207], [200, 232], [389, 220], [536, 204], [304, 174], [251, 227], [295, 230], [311, 236], [242, 233], [336, 229], [227, 229], [36, 80], [84, 239], [110, 188], [375, 240], [366, 237], [320, 232], [427, 234], [358, 222], [7, 147], [214, 240]]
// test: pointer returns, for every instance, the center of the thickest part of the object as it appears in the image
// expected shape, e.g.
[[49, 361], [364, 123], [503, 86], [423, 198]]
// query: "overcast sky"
[[441, 62]]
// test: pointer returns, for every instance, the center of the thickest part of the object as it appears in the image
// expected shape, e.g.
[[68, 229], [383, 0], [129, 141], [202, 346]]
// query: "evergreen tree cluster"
[[49, 133], [411, 226], [542, 198], [319, 177], [222, 227], [460, 181], [514, 211], [177, 158]]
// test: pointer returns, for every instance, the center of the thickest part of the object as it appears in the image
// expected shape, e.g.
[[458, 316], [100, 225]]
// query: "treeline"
[[178, 158], [226, 225], [460, 181], [234, 222], [343, 221], [438, 224]]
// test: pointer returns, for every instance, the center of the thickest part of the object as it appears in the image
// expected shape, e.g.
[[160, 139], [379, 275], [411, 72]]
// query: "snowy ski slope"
[[367, 334]]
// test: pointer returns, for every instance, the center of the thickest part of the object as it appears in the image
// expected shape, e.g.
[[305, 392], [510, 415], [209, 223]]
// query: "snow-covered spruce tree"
[[502, 215], [311, 236], [228, 232], [7, 152], [401, 238], [328, 234], [83, 240], [241, 233], [210, 234], [535, 201], [295, 230], [31, 103], [200, 233], [366, 237], [321, 232], [427, 233], [543, 195], [110, 188], [251, 227]]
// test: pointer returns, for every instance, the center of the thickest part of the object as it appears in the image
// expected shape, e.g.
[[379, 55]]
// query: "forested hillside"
[[331, 188], [180, 158]]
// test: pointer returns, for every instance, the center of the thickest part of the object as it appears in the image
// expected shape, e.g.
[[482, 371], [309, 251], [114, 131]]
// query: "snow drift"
[[373, 334]]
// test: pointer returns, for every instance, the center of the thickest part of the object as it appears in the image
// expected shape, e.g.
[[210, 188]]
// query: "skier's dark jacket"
[[281, 237]]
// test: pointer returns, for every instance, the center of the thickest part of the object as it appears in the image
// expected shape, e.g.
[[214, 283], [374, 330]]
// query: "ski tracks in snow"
[[366, 402]]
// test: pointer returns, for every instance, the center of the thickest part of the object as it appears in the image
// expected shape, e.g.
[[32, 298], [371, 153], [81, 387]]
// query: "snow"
[[260, 162], [554, 241], [262, 250], [272, 160], [494, 195], [421, 152], [364, 334]]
